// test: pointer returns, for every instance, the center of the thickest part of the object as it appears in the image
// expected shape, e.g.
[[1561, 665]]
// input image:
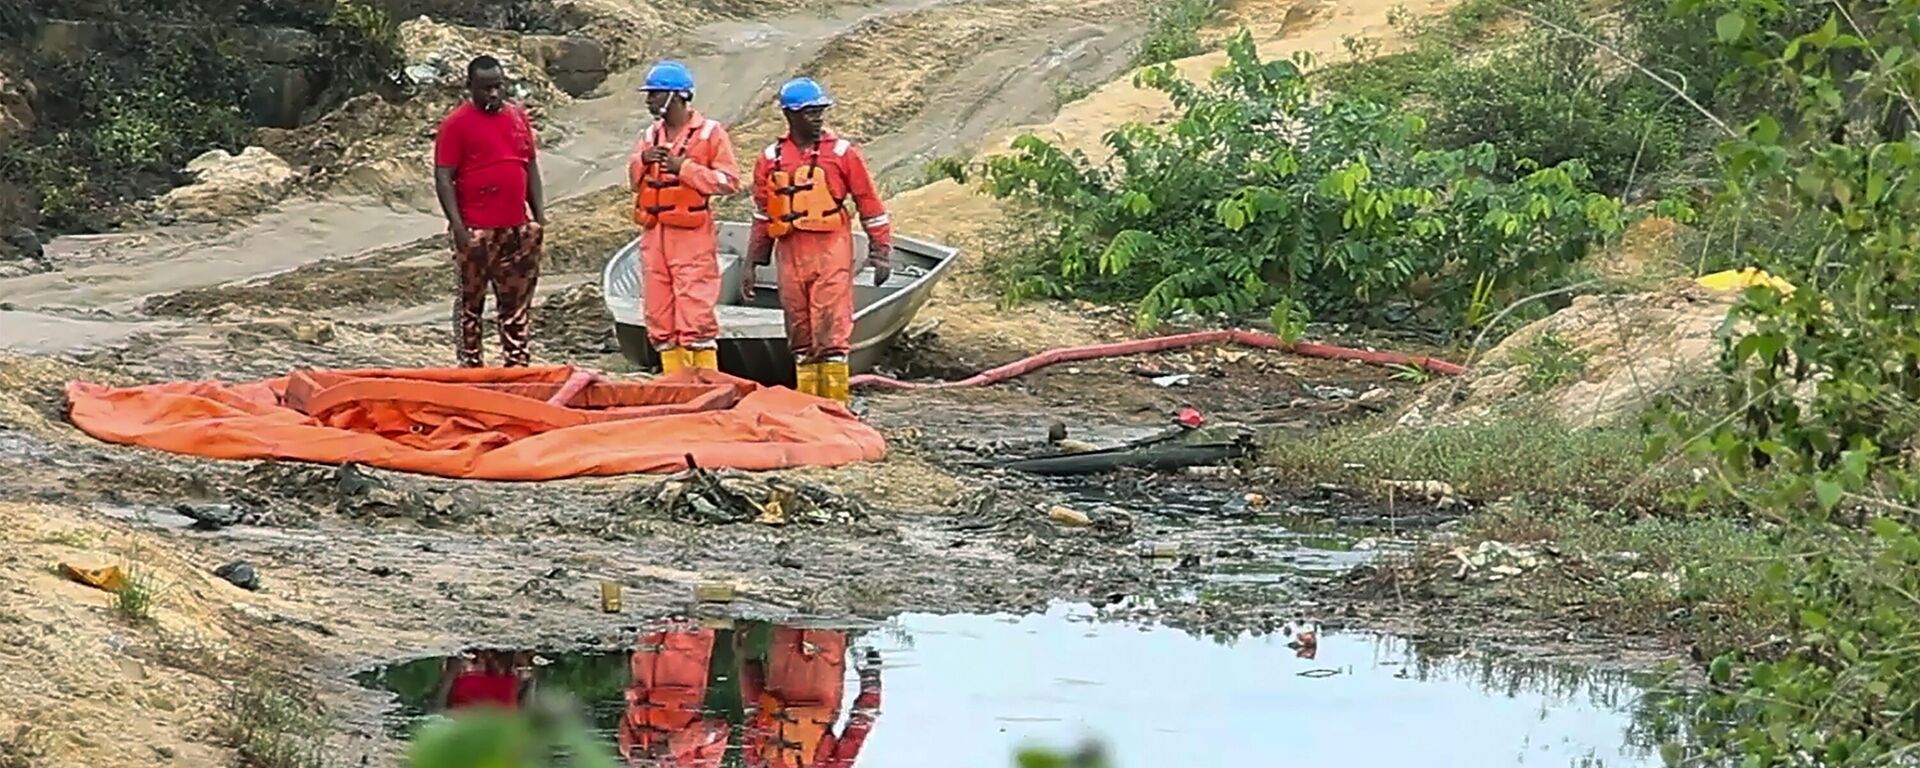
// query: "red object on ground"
[[488, 154], [1023, 367], [477, 689], [483, 423], [1190, 418]]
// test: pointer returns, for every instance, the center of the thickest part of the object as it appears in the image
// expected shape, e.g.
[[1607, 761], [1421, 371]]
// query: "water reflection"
[[967, 691], [690, 693]]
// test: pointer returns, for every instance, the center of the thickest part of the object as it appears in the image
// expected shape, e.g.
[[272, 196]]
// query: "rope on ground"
[[1028, 365]]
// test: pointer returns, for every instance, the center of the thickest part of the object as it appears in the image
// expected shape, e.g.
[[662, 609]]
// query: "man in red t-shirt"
[[488, 179]]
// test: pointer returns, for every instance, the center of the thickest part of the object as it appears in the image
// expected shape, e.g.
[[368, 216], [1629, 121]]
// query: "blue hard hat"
[[669, 76], [803, 92]]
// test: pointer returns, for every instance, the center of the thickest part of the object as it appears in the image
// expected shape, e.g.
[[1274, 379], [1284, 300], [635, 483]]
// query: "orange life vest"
[[804, 201], [669, 670], [790, 736], [663, 200]]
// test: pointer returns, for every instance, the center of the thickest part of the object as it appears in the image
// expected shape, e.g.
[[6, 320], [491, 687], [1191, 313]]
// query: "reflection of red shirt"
[[481, 689], [488, 154]]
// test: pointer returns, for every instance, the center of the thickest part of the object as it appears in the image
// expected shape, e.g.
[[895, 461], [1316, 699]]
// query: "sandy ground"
[[416, 565]]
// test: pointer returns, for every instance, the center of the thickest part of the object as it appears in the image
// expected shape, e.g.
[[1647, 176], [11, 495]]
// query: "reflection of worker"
[[665, 723], [683, 159], [794, 700], [487, 175], [801, 185], [483, 679]]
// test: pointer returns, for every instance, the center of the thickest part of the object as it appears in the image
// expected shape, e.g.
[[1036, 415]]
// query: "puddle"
[[967, 691], [1227, 541]]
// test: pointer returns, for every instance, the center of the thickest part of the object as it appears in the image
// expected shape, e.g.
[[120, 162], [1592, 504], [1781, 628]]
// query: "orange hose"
[[1028, 365]]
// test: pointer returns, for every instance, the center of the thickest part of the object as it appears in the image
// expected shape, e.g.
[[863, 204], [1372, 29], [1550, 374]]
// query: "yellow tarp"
[[1742, 279]]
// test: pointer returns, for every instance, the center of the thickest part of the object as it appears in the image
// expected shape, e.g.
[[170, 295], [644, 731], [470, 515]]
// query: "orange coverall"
[[816, 268], [666, 722], [796, 700], [679, 265]]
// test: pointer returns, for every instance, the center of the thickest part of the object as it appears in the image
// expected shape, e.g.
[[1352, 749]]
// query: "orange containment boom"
[[484, 423]]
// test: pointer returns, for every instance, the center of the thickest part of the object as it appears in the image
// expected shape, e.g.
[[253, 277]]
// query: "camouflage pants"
[[508, 260]]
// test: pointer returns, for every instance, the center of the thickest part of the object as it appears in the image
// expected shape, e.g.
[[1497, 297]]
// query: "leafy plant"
[[1264, 190], [270, 726], [363, 42], [1175, 30], [134, 598], [1825, 393], [550, 732], [1549, 361]]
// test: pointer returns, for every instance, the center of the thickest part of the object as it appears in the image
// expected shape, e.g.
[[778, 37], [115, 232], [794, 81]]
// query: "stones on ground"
[[239, 573], [21, 253], [212, 517], [227, 186], [576, 64]]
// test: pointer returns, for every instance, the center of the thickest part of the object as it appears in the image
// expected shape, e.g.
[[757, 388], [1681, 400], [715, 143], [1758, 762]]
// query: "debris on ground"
[[1439, 493], [1493, 561], [705, 497], [1068, 516], [239, 573], [109, 578]]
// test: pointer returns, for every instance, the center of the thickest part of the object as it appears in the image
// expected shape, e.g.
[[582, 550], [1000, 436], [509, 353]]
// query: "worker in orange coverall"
[[801, 187], [679, 163], [793, 698], [666, 722]]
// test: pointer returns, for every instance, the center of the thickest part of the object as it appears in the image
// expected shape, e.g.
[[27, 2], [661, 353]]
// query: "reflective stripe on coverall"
[[665, 721], [797, 700], [816, 268], [679, 266]]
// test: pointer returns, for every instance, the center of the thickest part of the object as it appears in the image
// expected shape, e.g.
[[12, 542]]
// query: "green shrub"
[[1264, 189], [1174, 32], [1822, 417], [1539, 95], [120, 124]]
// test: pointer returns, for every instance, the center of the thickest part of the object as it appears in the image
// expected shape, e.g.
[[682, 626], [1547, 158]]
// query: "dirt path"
[[114, 272], [1008, 60]]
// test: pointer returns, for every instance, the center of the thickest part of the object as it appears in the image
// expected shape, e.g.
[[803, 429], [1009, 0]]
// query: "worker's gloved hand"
[[760, 248], [870, 665], [759, 253], [880, 257]]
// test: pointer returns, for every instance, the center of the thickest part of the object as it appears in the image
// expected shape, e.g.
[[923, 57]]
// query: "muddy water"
[[970, 690]]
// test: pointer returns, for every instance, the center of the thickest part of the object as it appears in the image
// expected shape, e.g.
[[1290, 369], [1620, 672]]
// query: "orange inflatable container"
[[483, 423]]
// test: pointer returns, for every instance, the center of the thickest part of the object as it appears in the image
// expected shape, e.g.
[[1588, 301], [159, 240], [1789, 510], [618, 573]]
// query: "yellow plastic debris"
[[109, 578], [1742, 279]]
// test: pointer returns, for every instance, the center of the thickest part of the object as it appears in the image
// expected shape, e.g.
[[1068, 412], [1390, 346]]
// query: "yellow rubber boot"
[[833, 381], [806, 378], [705, 358], [673, 359]]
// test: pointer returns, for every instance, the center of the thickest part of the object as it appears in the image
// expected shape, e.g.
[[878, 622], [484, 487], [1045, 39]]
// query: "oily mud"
[[911, 689]]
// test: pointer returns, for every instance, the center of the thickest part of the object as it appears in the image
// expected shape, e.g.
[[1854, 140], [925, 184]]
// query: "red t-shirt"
[[488, 154], [481, 689]]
